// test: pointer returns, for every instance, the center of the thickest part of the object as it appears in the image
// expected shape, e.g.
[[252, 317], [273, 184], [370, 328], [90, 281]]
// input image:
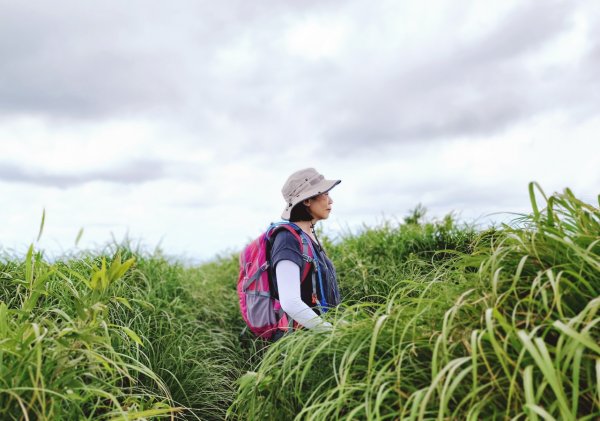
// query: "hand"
[[324, 327]]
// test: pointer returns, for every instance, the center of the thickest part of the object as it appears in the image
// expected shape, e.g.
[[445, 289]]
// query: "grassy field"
[[439, 321]]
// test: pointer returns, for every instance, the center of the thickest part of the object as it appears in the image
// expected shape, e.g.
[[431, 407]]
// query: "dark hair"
[[300, 213]]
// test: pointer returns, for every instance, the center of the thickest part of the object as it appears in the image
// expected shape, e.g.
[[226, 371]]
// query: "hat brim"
[[322, 187]]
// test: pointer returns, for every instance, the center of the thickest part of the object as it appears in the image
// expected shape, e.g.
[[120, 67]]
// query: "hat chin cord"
[[312, 229]]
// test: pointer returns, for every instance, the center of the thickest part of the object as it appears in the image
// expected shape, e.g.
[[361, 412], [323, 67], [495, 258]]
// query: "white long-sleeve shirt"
[[288, 285]]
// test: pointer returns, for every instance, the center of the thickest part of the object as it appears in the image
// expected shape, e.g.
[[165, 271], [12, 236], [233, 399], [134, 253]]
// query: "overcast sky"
[[177, 123]]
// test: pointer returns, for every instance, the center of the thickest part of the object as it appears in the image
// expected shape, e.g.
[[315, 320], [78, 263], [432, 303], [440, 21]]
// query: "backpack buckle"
[[264, 266], [307, 258]]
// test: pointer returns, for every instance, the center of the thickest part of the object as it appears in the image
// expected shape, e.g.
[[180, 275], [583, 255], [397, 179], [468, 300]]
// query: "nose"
[[330, 200]]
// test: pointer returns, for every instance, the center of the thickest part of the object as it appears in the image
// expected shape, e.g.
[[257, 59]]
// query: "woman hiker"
[[306, 193]]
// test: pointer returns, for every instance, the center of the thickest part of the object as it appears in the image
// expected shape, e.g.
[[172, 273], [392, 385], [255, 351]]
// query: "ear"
[[306, 202]]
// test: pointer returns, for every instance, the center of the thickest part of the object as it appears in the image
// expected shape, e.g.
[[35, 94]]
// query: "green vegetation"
[[98, 338], [439, 321]]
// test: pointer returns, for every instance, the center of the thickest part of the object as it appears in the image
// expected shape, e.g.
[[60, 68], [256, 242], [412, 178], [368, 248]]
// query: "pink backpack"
[[261, 311]]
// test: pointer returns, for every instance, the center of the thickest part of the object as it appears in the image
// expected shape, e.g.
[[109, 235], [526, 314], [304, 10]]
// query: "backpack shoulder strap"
[[306, 250]]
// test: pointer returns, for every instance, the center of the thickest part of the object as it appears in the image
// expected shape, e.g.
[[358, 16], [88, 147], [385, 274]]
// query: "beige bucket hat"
[[303, 185]]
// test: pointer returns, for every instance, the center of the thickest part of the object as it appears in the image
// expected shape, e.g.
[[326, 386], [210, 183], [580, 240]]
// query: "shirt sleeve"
[[286, 247], [288, 284]]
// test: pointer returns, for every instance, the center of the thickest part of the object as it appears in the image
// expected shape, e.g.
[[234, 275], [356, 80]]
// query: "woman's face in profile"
[[320, 206]]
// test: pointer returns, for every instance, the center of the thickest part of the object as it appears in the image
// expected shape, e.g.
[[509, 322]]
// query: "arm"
[[288, 285]]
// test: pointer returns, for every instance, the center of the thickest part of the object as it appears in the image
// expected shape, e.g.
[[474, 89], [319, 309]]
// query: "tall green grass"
[[189, 327], [59, 349], [439, 321], [371, 262], [506, 329], [96, 337]]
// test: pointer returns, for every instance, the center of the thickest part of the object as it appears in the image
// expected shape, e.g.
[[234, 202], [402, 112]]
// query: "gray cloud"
[[131, 173], [480, 87], [524, 29], [161, 61], [109, 59], [74, 60]]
